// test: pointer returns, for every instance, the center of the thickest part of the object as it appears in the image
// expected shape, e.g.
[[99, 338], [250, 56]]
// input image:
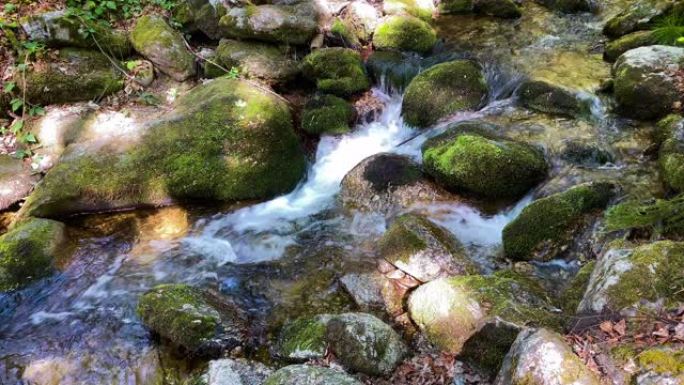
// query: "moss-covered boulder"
[[16, 180], [387, 182], [623, 44], [422, 9], [483, 165], [303, 339], [423, 249], [406, 33], [257, 60], [550, 98], [327, 114], [443, 90], [75, 75], [336, 70], [640, 15], [27, 252], [671, 152], [154, 39], [200, 15], [310, 375], [361, 19], [629, 278], [363, 343], [645, 86], [569, 6], [548, 225], [541, 357], [574, 291], [291, 23], [450, 310], [226, 140], [58, 29]]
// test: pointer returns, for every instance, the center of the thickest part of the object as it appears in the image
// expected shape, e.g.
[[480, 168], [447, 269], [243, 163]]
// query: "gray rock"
[[310, 375], [632, 40], [236, 372], [553, 99], [638, 16], [257, 60], [16, 181]]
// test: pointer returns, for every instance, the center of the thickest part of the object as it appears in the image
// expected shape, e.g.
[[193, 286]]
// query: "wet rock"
[[76, 75], [585, 154], [632, 40], [374, 291], [236, 372], [496, 8], [671, 152], [569, 6], [336, 70], [303, 339], [242, 146], [423, 249], [545, 227], [163, 46], [646, 276], [422, 9], [16, 181], [291, 23], [638, 16], [58, 29], [450, 310], [310, 375], [443, 90], [541, 357], [405, 33], [387, 182], [394, 68], [485, 165], [27, 252], [201, 15], [327, 114], [573, 293], [364, 343], [645, 86], [361, 18], [184, 316], [368, 107], [487, 347], [343, 34], [550, 98], [257, 60]]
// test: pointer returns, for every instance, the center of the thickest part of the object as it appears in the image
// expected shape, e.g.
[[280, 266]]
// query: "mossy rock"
[[336, 70], [645, 87], [292, 23], [573, 293], [664, 360], [450, 310], [406, 33], [394, 69], [76, 75], [486, 349], [483, 165], [310, 375], [640, 15], [547, 225], [443, 90], [27, 252], [361, 18], [257, 60], [671, 154], [423, 249], [227, 140], [327, 114], [57, 29], [303, 339], [552, 99], [343, 31], [200, 15], [569, 6], [623, 44], [506, 9], [585, 153], [627, 278], [419, 8], [154, 39]]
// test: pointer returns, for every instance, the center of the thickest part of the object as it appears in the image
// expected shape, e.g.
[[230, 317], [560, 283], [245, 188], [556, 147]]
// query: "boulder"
[[552, 99], [336, 70], [405, 33], [569, 6], [28, 250], [257, 60], [374, 291], [585, 153], [57, 29], [226, 140], [574, 291], [671, 152], [16, 181], [363, 343], [423, 249], [548, 225], [488, 346], [327, 114], [386, 182], [201, 15], [361, 18], [310, 375], [422, 9], [645, 85], [75, 75], [451, 310], [443, 90], [625, 43], [184, 316], [625, 278], [303, 339], [541, 357], [239, 371], [290, 23], [640, 15], [154, 39], [482, 164], [343, 34]]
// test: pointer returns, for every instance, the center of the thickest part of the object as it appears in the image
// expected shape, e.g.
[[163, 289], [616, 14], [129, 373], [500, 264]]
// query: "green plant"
[[670, 30], [663, 216], [113, 10], [234, 73]]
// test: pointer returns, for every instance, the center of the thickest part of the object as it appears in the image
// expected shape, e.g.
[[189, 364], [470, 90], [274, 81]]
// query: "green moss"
[[507, 9], [342, 31], [662, 361], [443, 90], [659, 215], [456, 6], [670, 136], [327, 114], [573, 293], [27, 252], [401, 241], [551, 99], [179, 313], [303, 338], [405, 33], [338, 71], [411, 7], [549, 223], [633, 40]]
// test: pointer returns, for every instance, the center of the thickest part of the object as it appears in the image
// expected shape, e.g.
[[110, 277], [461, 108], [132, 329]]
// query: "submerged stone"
[[257, 60], [406, 33], [569, 6], [508, 9], [327, 114], [336, 70], [394, 68], [550, 98], [310, 375], [585, 153]]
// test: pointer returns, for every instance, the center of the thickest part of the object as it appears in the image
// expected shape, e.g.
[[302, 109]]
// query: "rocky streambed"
[[397, 192]]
